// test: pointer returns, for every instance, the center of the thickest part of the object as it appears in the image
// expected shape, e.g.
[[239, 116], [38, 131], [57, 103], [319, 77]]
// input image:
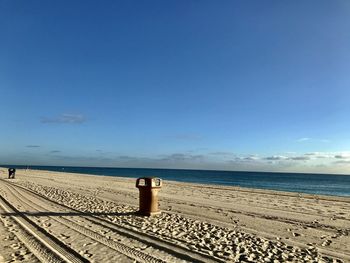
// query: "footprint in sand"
[[143, 247], [85, 253], [46, 224], [16, 246], [63, 236], [24, 252], [326, 243], [9, 237], [87, 244], [17, 256]]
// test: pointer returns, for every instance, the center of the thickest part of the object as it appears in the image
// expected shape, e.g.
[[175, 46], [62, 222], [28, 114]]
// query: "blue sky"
[[235, 85]]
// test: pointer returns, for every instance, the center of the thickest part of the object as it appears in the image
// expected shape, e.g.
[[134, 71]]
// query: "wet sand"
[[65, 217]]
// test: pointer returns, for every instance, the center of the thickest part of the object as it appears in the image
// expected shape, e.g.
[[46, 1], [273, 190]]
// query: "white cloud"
[[182, 157], [319, 155], [276, 158], [343, 162], [304, 139], [251, 158], [222, 153], [345, 155], [186, 137], [285, 158], [65, 118], [299, 158]]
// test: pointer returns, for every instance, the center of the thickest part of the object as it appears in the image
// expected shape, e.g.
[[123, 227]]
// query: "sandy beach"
[[64, 217]]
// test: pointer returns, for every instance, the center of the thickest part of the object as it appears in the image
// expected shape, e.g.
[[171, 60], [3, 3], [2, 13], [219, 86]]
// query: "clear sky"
[[235, 85]]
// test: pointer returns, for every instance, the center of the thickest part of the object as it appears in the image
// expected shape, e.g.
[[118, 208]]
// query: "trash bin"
[[149, 188], [12, 172]]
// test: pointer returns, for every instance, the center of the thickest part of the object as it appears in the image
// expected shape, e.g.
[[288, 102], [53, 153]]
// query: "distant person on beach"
[[12, 172]]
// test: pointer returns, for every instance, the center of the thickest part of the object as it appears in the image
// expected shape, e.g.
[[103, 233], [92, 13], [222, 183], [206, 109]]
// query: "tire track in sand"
[[45, 247], [119, 247], [135, 254], [177, 250]]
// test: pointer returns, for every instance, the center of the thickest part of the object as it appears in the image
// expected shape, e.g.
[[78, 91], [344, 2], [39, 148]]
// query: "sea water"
[[325, 184]]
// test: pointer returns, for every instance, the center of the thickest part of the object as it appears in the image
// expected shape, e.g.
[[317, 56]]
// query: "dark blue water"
[[326, 184]]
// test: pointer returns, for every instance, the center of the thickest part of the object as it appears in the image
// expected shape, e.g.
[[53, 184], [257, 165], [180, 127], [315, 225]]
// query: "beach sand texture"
[[64, 217]]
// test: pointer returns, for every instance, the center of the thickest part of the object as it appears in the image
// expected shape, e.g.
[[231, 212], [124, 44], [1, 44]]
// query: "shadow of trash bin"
[[12, 172], [149, 188]]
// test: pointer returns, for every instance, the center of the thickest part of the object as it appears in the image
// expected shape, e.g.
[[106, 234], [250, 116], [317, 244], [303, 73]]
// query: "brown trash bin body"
[[149, 188]]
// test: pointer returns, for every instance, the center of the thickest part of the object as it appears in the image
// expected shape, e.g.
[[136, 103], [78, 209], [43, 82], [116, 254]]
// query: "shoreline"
[[287, 223], [176, 169], [344, 198], [206, 184]]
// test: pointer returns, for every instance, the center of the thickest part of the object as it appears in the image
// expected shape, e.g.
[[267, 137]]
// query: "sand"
[[64, 217]]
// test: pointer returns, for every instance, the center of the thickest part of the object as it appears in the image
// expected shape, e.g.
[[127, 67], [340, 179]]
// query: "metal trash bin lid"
[[149, 182]]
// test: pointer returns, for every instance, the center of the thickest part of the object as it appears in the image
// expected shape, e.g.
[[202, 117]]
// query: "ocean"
[[325, 184]]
